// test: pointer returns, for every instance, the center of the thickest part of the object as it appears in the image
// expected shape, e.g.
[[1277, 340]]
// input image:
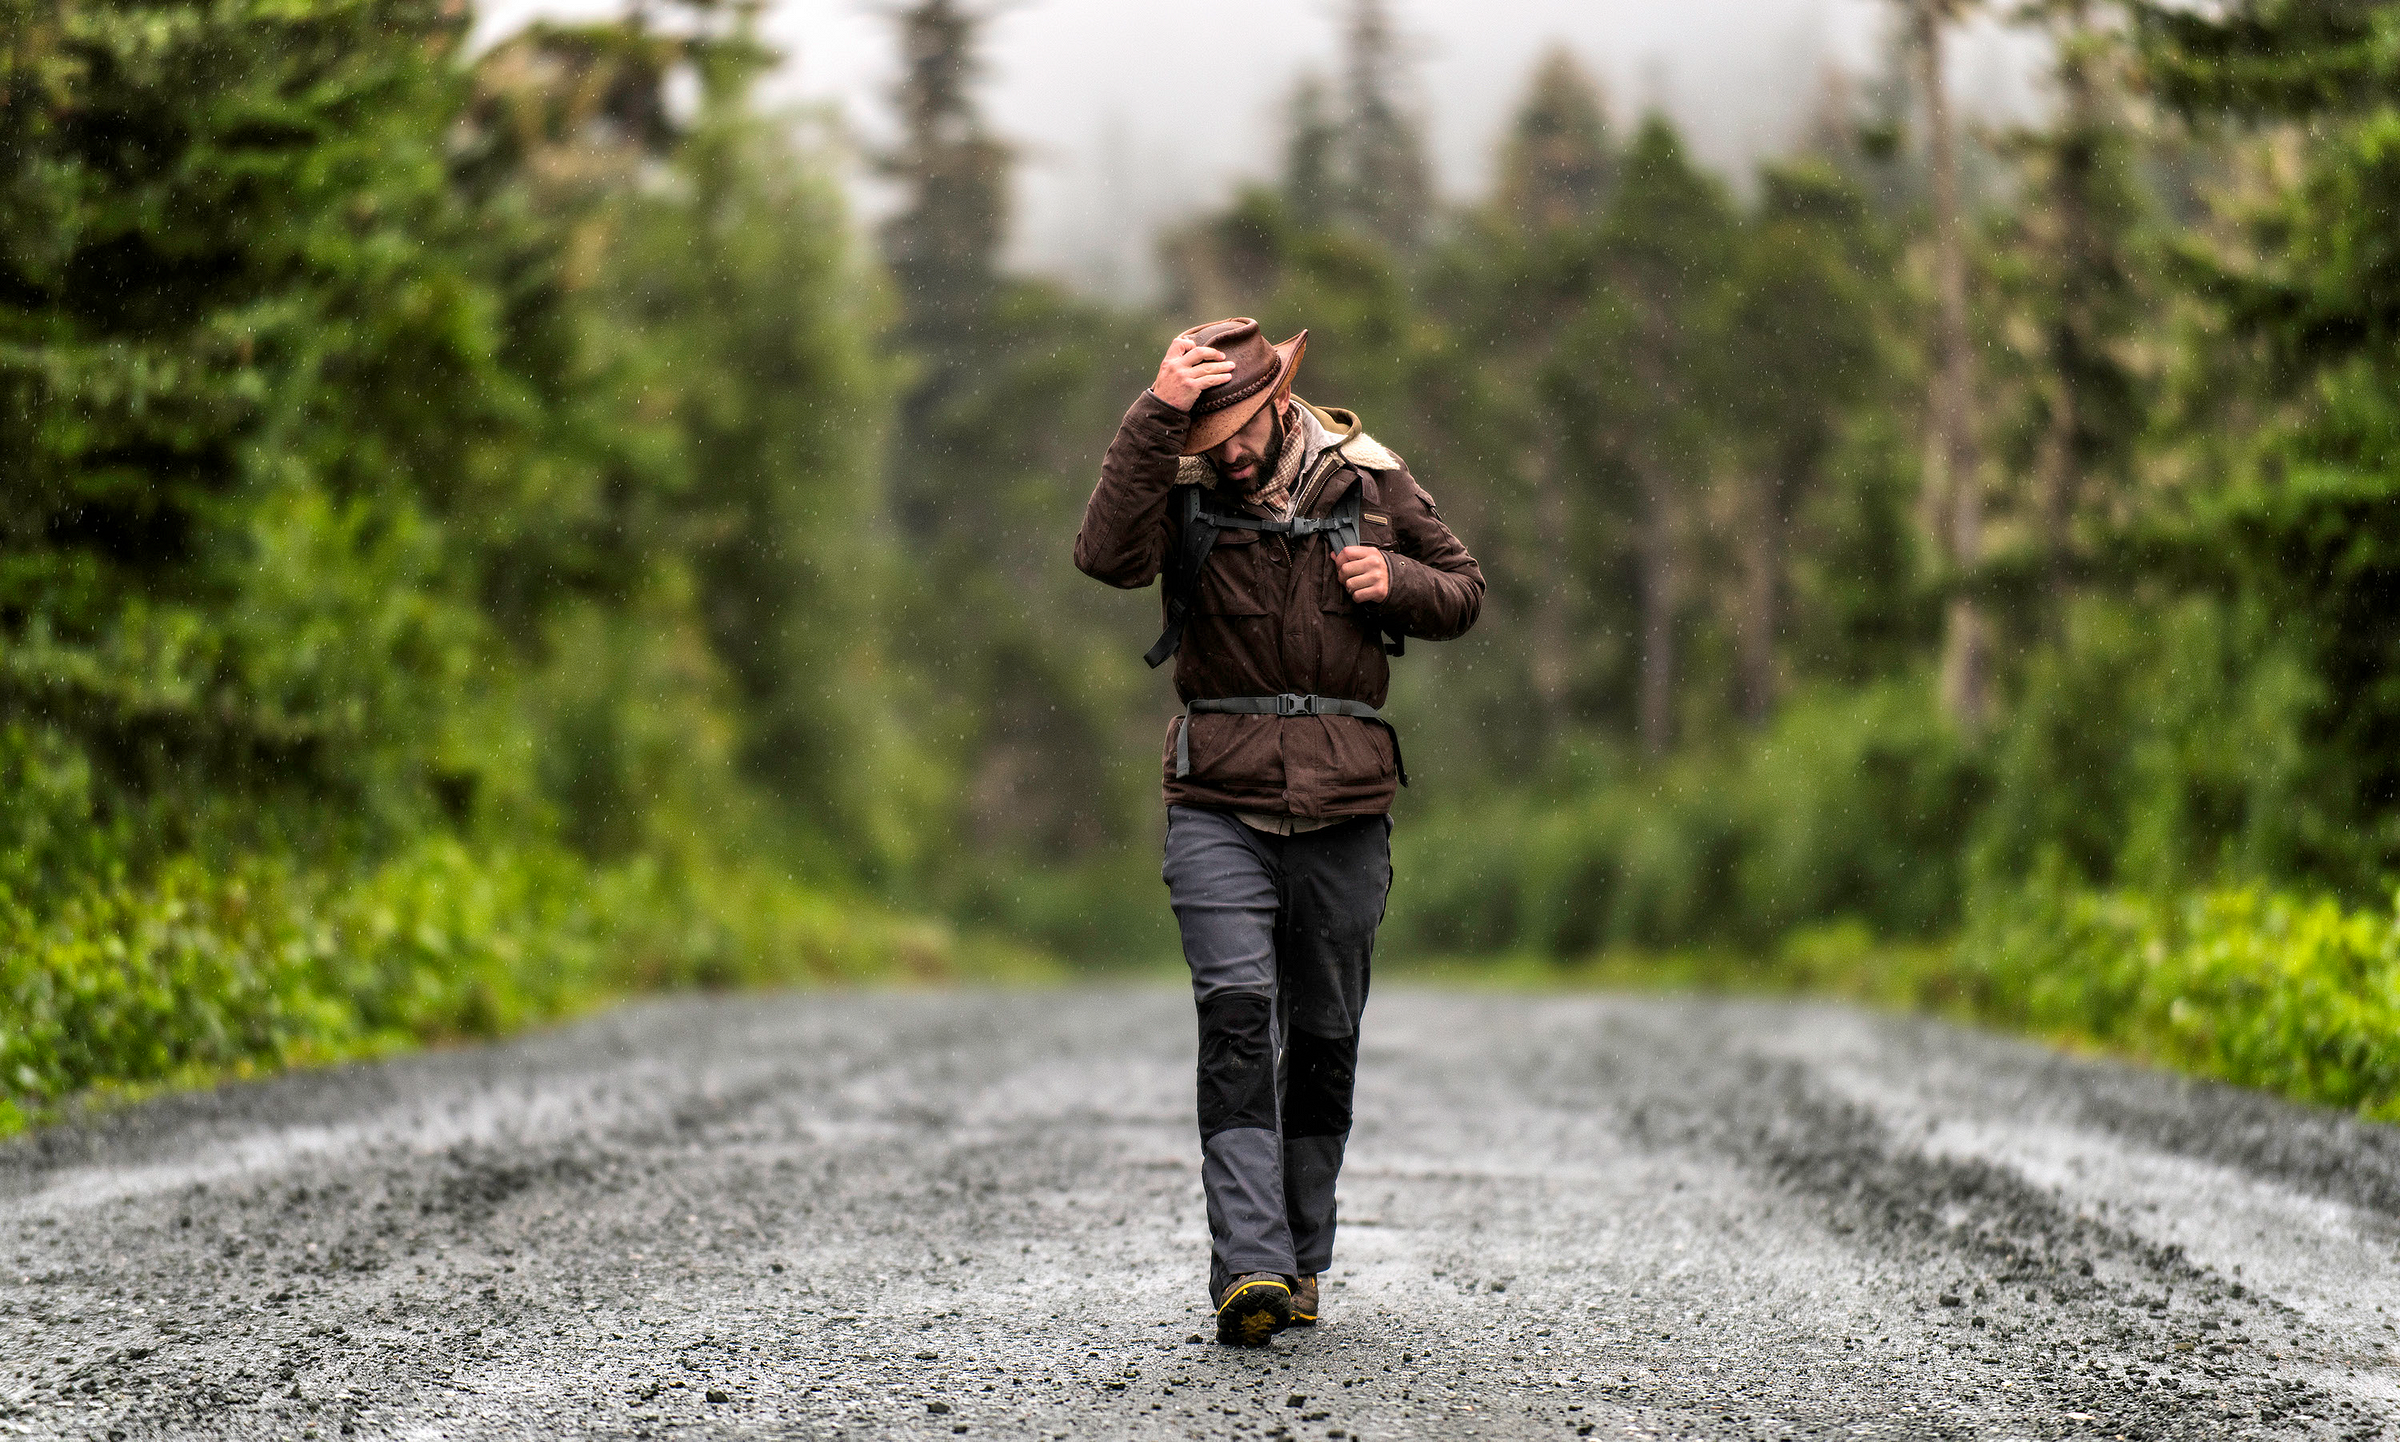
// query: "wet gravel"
[[933, 1215]]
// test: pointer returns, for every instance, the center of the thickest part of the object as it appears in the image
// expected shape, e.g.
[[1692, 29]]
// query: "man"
[[1292, 545]]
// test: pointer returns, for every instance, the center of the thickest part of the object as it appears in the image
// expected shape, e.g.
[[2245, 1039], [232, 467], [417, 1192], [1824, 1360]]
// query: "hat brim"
[[1214, 429]]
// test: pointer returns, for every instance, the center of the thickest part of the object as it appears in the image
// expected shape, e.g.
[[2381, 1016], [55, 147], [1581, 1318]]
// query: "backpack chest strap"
[[1340, 528]]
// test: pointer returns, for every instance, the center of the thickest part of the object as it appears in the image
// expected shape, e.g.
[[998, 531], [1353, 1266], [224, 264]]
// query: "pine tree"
[[1353, 159], [1513, 287], [1390, 181], [1013, 386], [1559, 162], [943, 247], [752, 312], [2310, 282], [274, 390], [2080, 241], [1636, 382], [1312, 150]]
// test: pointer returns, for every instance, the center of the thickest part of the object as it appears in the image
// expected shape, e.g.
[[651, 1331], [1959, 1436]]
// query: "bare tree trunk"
[[2057, 480], [1548, 628], [1760, 617], [2062, 458], [1657, 551], [1654, 546], [1954, 500]]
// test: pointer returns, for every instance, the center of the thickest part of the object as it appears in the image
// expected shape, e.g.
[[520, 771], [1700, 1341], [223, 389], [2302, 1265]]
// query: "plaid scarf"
[[1272, 496]]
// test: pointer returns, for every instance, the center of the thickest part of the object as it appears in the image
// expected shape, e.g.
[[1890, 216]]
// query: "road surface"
[[930, 1215]]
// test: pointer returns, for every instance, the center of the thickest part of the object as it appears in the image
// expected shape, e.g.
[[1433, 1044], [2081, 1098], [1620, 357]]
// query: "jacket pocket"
[[1235, 760]]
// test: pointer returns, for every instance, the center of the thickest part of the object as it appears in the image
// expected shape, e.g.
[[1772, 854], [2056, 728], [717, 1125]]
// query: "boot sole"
[[1300, 1318], [1254, 1313]]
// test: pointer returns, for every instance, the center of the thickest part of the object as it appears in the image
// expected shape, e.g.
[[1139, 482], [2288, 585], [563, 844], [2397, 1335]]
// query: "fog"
[[1129, 114]]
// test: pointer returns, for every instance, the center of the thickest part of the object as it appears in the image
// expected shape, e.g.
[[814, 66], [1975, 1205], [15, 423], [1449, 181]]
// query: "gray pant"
[[1279, 932]]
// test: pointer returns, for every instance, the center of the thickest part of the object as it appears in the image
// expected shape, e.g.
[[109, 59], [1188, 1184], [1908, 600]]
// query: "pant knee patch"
[[1324, 1069], [1237, 1062]]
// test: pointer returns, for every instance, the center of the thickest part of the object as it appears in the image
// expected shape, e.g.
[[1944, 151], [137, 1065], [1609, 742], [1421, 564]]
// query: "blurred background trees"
[[531, 446]]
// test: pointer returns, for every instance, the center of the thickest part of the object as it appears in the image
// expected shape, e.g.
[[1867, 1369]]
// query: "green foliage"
[[257, 364], [2274, 57], [403, 455], [2303, 423], [197, 974], [1848, 807], [516, 495], [2292, 993], [2158, 746], [2298, 995], [743, 322], [440, 570]]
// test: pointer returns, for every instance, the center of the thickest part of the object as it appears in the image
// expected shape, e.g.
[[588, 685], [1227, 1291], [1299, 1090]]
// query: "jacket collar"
[[1332, 428]]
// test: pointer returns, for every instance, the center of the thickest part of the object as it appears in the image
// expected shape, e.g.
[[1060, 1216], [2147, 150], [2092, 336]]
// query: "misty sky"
[[1130, 113]]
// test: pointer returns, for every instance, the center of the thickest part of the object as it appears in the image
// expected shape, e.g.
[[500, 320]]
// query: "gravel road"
[[935, 1214]]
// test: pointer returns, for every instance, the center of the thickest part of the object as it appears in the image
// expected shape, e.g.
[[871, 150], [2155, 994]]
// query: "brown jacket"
[[1271, 616]]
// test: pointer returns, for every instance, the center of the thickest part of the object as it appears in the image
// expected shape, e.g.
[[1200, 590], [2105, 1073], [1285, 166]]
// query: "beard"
[[1264, 463]]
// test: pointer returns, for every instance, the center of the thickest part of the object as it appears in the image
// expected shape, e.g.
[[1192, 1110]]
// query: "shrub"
[[2297, 995], [198, 972], [1851, 807]]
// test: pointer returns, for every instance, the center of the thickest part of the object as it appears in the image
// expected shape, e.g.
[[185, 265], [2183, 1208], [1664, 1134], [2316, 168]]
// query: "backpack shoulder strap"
[[1195, 536], [1345, 518], [1346, 514]]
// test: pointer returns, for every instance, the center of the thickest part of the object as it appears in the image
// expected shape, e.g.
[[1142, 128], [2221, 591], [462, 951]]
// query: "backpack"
[[1202, 512]]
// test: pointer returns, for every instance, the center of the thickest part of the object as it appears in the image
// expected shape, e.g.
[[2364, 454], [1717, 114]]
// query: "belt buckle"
[[1292, 703]]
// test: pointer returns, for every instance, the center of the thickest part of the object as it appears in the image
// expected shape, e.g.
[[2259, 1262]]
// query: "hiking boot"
[[1256, 1306], [1304, 1302]]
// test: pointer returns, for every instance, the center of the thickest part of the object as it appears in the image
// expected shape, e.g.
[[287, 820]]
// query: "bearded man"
[[1293, 546]]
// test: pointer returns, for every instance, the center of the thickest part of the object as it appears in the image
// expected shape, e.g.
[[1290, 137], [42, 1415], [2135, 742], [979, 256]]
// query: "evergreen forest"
[[484, 531]]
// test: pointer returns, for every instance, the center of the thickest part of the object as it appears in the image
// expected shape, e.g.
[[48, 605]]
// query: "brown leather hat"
[[1261, 372]]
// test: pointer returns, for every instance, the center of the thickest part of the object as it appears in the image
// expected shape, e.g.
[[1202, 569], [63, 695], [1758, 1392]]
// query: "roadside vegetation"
[[483, 533], [204, 973], [2295, 995], [2298, 996]]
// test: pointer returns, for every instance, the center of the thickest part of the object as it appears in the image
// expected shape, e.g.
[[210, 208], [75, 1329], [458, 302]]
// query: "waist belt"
[[1287, 704]]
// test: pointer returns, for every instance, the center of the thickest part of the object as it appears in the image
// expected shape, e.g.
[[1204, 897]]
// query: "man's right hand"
[[1187, 371]]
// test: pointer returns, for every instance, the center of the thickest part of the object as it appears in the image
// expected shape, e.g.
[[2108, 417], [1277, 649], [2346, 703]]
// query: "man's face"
[[1238, 457]]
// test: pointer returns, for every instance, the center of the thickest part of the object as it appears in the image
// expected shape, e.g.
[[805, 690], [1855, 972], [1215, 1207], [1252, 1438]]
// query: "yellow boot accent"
[[1250, 1313]]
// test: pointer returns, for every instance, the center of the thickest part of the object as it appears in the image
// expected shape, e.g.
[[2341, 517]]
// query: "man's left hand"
[[1365, 572]]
